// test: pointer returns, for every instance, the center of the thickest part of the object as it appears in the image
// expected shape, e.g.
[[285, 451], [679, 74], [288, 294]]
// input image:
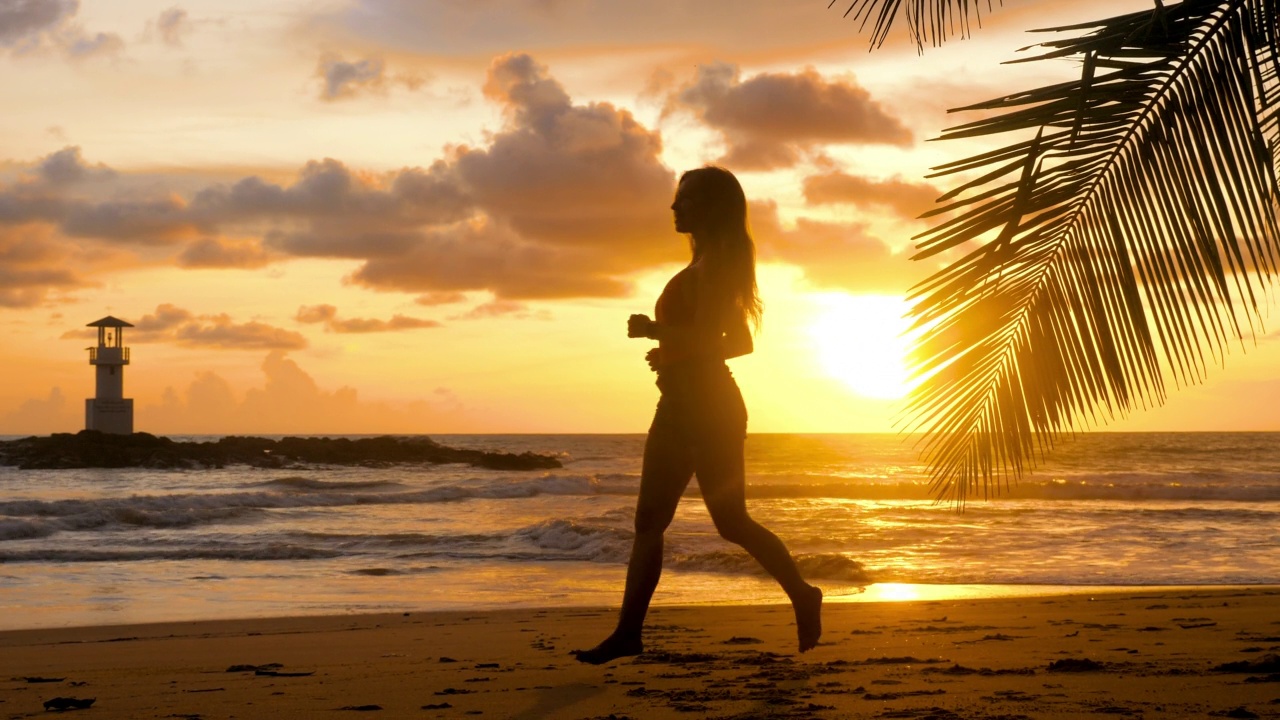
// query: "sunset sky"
[[436, 215]]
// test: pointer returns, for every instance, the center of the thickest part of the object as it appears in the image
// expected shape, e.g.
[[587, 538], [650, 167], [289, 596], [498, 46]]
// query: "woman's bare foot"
[[612, 648], [808, 609]]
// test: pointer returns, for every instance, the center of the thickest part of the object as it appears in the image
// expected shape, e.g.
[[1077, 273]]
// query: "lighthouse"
[[109, 411]]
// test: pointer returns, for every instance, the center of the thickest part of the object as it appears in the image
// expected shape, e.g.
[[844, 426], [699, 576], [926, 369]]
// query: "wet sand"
[[1180, 653]]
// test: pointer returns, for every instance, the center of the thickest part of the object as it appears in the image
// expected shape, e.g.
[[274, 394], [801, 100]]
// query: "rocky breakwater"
[[92, 449]]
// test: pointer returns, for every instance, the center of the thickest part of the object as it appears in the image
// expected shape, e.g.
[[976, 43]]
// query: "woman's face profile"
[[687, 210]]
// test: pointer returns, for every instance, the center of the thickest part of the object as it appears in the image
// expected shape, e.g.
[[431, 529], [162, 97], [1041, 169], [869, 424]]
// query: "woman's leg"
[[722, 479], [667, 469]]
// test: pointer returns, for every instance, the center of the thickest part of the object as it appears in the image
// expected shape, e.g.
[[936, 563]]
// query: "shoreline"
[[1154, 653], [890, 592]]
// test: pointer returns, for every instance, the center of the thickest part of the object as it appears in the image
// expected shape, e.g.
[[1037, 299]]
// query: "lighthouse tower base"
[[109, 416]]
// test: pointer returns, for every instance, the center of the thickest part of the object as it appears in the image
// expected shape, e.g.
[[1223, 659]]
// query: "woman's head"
[[711, 207], [710, 203]]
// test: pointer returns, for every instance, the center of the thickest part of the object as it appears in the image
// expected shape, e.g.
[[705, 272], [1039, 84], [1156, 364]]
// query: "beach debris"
[[361, 708], [736, 640], [642, 692], [447, 660], [998, 637], [254, 668], [904, 693], [985, 672], [1240, 712], [453, 691], [1076, 665], [1266, 664], [904, 660], [487, 665], [930, 713], [1192, 626], [674, 658], [436, 706], [281, 673], [68, 703], [37, 679]]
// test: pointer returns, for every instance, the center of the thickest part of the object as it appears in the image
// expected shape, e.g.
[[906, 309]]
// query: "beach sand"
[[1176, 653]]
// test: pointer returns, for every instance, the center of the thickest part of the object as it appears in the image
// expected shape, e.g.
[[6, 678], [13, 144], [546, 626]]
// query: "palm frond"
[[1123, 240], [928, 21]]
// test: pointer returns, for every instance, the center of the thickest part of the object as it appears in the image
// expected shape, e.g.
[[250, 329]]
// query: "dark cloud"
[[24, 22], [172, 25], [907, 199], [166, 318], [334, 242], [568, 200], [221, 253], [218, 331], [158, 221], [33, 26], [569, 175], [328, 314], [342, 79], [432, 299], [34, 268], [772, 120], [833, 255], [24, 288], [334, 211], [482, 255], [67, 166], [310, 314]]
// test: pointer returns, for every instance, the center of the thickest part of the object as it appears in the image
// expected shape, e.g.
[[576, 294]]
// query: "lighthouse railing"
[[110, 356]]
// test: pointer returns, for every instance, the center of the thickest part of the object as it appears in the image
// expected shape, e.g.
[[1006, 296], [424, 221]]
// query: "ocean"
[[91, 547]]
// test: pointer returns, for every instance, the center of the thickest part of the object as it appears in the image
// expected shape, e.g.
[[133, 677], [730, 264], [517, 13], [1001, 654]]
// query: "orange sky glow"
[[405, 216]]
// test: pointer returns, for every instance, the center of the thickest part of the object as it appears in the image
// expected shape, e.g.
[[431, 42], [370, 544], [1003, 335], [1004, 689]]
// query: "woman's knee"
[[737, 527], [652, 520]]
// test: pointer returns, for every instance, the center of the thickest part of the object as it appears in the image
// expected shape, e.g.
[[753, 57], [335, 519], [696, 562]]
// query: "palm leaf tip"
[[928, 22]]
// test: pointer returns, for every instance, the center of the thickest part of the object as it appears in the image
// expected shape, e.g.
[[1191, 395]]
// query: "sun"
[[862, 341]]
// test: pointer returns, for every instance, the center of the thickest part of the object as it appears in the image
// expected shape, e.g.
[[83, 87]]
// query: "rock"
[[92, 449], [68, 703], [1266, 663], [1076, 665]]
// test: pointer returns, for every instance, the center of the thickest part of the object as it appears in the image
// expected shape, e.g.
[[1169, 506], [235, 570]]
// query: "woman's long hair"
[[726, 240]]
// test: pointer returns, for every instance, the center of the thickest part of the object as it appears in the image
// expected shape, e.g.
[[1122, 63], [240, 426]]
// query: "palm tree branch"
[[1142, 225]]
